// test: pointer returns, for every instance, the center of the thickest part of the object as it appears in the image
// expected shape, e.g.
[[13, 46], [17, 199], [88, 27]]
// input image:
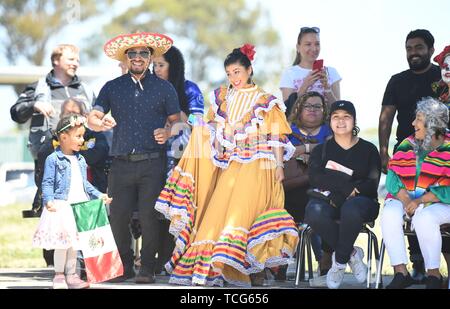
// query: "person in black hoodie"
[[344, 172]]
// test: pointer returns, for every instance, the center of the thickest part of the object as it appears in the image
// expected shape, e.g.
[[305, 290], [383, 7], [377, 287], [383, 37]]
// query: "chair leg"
[[369, 258], [380, 265], [300, 256], [309, 254]]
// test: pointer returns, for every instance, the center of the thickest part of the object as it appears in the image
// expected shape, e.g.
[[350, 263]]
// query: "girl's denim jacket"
[[56, 181]]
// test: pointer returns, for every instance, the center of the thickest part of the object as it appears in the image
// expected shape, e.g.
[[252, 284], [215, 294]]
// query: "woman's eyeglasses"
[[313, 107], [309, 30], [133, 54]]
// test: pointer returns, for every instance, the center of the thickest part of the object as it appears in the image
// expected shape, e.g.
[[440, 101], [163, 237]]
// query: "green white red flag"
[[101, 257]]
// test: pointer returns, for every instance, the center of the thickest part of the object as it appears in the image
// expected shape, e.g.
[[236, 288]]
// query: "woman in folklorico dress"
[[225, 198]]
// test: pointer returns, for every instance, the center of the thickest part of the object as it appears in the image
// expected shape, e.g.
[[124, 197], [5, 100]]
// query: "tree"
[[29, 24], [206, 30]]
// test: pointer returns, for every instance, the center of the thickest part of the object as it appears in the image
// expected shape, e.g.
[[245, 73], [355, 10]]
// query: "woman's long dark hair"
[[176, 75]]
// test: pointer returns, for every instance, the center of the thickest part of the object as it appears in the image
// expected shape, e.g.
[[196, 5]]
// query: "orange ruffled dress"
[[225, 206]]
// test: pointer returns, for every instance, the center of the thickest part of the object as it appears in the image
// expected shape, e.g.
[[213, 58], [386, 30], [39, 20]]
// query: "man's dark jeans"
[[134, 183], [322, 217]]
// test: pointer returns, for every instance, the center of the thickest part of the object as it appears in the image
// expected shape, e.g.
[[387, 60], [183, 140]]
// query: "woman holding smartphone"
[[301, 77]]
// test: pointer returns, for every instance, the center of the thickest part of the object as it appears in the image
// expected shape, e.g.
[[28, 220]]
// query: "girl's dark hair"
[[176, 75], [297, 109], [236, 56], [302, 32]]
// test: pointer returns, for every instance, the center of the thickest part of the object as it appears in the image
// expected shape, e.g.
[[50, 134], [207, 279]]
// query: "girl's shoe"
[[59, 282], [74, 282]]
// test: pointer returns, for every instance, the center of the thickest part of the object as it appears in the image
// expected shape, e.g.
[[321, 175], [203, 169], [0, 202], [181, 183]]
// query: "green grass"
[[16, 234], [15, 239]]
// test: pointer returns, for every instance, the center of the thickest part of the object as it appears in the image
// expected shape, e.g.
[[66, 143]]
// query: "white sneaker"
[[357, 265], [336, 274]]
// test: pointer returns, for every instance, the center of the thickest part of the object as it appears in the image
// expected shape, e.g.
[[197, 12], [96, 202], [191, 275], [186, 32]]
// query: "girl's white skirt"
[[57, 229]]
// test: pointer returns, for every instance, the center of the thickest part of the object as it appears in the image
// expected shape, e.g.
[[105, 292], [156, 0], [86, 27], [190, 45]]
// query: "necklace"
[[309, 132]]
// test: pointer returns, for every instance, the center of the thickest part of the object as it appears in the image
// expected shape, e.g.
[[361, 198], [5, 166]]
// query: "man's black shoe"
[[128, 274], [418, 272], [434, 283], [400, 281], [144, 276]]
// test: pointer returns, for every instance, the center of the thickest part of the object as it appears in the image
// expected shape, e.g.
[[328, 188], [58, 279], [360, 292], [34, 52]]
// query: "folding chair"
[[445, 232], [304, 244]]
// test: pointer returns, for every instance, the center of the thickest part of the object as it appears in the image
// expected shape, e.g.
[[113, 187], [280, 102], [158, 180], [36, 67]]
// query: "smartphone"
[[318, 64]]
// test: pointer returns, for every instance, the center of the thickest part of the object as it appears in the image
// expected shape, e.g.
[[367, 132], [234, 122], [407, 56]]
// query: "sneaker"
[[59, 282], [418, 272], [127, 274], [433, 282], [336, 274], [400, 281], [357, 265], [144, 276], [74, 282]]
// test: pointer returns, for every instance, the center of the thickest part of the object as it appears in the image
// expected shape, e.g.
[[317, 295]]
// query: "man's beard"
[[420, 65], [137, 72]]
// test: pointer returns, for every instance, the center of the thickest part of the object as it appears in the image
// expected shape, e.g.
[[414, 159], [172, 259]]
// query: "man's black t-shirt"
[[404, 90]]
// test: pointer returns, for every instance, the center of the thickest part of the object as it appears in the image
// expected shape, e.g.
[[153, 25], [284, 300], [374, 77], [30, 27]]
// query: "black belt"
[[136, 157]]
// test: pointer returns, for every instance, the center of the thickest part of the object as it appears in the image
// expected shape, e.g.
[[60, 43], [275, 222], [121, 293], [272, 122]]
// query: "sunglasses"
[[309, 30], [133, 54]]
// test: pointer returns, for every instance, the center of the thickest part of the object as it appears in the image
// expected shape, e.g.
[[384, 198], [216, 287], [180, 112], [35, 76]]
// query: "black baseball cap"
[[343, 105]]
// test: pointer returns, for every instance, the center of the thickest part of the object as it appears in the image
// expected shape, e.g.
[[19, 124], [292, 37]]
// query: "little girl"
[[64, 183]]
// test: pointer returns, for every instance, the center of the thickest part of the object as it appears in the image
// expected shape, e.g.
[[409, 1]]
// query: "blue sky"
[[363, 40]]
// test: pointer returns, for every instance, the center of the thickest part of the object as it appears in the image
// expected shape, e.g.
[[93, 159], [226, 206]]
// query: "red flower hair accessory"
[[249, 51], [441, 57]]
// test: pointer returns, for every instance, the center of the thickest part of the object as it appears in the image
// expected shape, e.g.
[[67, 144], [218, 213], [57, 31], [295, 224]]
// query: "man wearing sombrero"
[[140, 103]]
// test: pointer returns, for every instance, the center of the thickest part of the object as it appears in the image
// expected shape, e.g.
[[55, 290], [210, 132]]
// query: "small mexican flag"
[[101, 257]]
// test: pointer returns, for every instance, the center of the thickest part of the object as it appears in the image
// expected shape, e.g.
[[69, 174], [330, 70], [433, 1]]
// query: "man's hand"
[[161, 135], [108, 122], [384, 162], [44, 108]]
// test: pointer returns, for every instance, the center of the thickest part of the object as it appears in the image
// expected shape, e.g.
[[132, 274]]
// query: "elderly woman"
[[418, 182]]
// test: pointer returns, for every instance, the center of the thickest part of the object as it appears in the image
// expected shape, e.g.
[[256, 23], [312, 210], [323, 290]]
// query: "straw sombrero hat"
[[116, 47]]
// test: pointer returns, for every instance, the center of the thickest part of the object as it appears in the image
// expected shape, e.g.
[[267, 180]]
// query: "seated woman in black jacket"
[[345, 172]]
